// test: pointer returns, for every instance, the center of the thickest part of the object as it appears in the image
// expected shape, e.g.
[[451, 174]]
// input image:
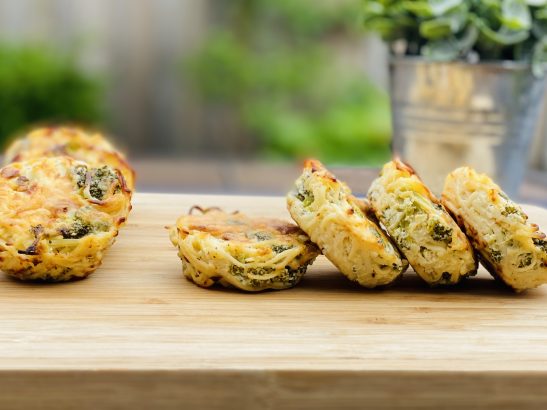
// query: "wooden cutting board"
[[137, 334]]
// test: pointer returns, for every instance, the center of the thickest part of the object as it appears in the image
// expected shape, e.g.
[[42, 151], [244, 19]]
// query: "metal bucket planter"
[[447, 115]]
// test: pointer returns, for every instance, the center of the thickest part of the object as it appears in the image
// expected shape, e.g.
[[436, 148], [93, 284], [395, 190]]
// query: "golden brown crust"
[[248, 253], [317, 167], [408, 172], [90, 147], [510, 247], [403, 166], [237, 226], [425, 233], [325, 209], [57, 217]]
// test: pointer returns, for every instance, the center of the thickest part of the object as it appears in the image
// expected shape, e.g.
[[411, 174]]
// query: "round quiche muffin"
[[92, 148], [424, 231], [510, 247], [340, 225], [235, 250], [57, 217]]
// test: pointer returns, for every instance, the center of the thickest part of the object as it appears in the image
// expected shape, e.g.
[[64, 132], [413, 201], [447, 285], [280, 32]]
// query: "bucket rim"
[[498, 65]]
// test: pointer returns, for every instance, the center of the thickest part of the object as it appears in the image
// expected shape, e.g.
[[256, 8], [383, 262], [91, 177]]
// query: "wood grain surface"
[[137, 334]]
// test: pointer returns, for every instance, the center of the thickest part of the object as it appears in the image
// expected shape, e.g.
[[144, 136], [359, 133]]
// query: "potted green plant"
[[466, 80]]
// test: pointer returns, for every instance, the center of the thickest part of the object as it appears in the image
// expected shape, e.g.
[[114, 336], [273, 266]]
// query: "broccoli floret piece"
[[510, 209], [281, 248], [261, 271], [101, 179], [292, 275], [408, 215], [260, 236], [525, 260], [80, 173], [77, 230], [541, 243], [306, 197], [295, 273], [412, 209], [377, 234], [237, 270], [404, 243], [496, 255], [441, 233]]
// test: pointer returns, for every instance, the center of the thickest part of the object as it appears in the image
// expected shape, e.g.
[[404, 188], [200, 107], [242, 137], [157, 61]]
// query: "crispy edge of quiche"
[[37, 262], [438, 231], [21, 149], [342, 218], [491, 258], [240, 251]]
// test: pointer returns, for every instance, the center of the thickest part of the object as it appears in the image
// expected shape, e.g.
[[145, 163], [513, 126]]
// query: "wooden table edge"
[[248, 388]]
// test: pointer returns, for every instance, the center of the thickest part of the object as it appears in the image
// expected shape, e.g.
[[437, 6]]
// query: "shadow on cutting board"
[[481, 285]]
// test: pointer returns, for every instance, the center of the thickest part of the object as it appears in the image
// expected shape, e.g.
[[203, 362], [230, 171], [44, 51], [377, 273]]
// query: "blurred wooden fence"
[[140, 45]]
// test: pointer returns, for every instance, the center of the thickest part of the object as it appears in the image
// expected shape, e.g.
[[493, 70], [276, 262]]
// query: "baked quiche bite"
[[424, 231], [510, 247], [338, 223], [90, 147], [58, 216], [235, 250]]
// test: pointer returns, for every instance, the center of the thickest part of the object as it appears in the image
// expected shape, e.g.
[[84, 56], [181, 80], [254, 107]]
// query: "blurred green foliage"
[[451, 29], [275, 65], [38, 85]]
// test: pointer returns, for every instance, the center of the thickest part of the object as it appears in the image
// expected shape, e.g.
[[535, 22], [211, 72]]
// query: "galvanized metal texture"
[[446, 115]]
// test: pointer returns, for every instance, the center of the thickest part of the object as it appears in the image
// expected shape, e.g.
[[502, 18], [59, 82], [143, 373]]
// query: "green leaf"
[[418, 8], [515, 15], [431, 8], [495, 4], [541, 14], [539, 28], [503, 37], [437, 28], [468, 40], [501, 27], [450, 23], [441, 50], [439, 7], [451, 48]]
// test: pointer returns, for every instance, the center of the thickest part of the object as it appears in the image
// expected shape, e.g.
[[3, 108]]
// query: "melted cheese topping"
[[250, 254], [57, 218], [92, 148], [511, 247], [325, 209], [427, 235]]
